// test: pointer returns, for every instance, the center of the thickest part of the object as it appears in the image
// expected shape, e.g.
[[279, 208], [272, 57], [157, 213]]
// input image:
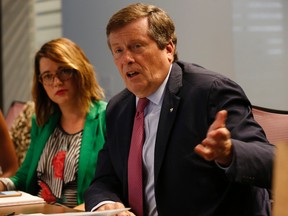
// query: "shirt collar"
[[157, 96]]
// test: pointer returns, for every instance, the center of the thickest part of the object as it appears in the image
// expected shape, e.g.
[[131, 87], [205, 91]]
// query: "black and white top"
[[58, 167]]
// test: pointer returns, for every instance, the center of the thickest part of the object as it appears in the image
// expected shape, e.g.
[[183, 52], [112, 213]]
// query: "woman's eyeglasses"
[[62, 74]]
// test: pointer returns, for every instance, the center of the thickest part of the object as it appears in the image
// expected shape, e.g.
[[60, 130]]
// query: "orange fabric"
[[274, 124]]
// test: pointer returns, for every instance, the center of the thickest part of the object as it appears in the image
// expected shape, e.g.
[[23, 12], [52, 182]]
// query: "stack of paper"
[[24, 199], [100, 213]]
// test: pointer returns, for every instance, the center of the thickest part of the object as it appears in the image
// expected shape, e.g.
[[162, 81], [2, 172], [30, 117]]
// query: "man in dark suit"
[[203, 154]]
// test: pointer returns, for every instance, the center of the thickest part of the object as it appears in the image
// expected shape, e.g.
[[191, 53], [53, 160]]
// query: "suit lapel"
[[167, 116], [126, 114]]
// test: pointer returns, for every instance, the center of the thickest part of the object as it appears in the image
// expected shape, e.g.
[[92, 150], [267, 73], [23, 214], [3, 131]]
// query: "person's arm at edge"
[[8, 159]]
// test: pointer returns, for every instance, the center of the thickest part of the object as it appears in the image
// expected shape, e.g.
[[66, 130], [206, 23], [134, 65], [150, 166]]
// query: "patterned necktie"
[[135, 188]]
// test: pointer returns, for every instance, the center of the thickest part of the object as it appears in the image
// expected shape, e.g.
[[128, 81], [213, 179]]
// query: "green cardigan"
[[92, 141]]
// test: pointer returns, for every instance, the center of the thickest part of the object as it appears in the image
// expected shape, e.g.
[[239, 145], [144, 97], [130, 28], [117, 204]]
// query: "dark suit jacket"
[[185, 183]]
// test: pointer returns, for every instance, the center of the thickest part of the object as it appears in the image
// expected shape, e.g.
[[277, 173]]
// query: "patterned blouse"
[[21, 129], [58, 166]]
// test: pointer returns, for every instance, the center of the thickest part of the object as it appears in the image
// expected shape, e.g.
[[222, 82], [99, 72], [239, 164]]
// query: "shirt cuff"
[[100, 204], [226, 168], [8, 183]]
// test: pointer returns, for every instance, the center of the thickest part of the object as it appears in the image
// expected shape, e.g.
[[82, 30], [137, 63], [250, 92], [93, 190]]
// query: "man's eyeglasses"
[[62, 74]]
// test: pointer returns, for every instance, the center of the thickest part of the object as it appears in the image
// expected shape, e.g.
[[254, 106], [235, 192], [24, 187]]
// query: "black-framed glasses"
[[63, 74]]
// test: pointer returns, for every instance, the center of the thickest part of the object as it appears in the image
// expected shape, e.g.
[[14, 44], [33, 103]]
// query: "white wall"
[[26, 25], [260, 50], [17, 47], [48, 21], [208, 34]]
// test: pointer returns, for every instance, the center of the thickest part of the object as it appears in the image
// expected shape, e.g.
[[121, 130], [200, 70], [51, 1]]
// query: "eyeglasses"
[[62, 74]]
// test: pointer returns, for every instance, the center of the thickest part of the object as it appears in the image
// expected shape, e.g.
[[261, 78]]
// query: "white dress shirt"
[[152, 114]]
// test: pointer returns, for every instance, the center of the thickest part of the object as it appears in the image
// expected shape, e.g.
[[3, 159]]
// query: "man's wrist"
[[100, 204]]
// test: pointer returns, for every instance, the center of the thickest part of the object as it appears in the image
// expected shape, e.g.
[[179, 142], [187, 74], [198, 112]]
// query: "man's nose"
[[128, 57]]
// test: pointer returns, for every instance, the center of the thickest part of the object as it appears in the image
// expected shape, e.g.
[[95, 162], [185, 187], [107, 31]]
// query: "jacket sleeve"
[[20, 178], [252, 152]]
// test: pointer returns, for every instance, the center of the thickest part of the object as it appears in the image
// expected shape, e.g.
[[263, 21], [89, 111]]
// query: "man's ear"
[[170, 49]]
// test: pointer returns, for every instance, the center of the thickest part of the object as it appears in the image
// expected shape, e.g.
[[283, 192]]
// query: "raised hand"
[[217, 145]]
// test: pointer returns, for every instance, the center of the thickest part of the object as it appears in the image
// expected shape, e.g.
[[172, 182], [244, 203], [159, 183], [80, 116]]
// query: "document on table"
[[22, 199], [100, 213]]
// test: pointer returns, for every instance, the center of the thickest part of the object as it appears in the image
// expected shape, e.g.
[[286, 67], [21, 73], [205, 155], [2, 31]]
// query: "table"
[[280, 180], [35, 208]]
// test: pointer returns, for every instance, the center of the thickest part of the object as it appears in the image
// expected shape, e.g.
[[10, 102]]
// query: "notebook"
[[22, 199]]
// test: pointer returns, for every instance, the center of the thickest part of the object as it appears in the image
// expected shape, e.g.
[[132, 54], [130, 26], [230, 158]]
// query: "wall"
[[200, 35], [243, 39], [17, 46], [260, 50], [26, 25]]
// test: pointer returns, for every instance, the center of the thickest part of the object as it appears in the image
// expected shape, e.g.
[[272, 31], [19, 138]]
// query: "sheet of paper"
[[24, 199], [100, 213]]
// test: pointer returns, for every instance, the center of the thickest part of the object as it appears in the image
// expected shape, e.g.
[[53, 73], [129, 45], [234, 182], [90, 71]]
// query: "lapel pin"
[[171, 109]]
